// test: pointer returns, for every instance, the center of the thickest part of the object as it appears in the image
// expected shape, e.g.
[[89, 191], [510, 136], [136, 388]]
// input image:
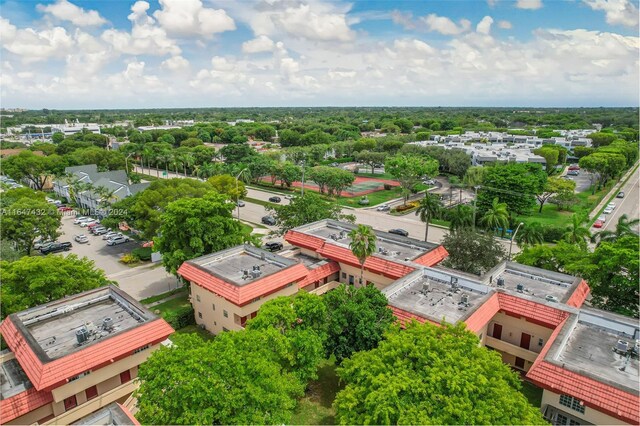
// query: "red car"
[[93, 225], [598, 224], [574, 167], [65, 209]]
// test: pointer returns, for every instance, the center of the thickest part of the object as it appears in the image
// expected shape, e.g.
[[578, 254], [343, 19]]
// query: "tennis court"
[[361, 186]]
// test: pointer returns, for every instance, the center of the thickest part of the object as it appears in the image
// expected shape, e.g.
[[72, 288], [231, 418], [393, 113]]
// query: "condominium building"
[[586, 360], [74, 356]]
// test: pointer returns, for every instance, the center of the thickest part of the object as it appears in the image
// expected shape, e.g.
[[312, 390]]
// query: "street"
[[628, 205]]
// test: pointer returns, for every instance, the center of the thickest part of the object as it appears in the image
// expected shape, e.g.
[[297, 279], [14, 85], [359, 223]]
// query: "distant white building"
[[72, 128]]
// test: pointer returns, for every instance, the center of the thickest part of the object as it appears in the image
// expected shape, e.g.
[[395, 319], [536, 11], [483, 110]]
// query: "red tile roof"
[[127, 413], [534, 312], [241, 295], [481, 316], [579, 295], [600, 396], [374, 264], [303, 240], [404, 316], [433, 257], [320, 273], [48, 375], [22, 403]]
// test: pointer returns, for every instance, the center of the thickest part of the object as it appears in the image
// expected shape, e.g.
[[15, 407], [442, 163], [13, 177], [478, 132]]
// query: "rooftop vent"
[[245, 274], [107, 323], [256, 273], [82, 335], [426, 287], [500, 282], [520, 288], [622, 346], [550, 298], [464, 299]]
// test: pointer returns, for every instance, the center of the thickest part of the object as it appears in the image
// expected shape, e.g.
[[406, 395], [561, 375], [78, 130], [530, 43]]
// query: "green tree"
[[460, 217], [474, 176], [228, 185], [26, 220], [497, 216], [237, 153], [602, 139], [472, 252], [8, 251], [57, 137], [362, 245], [33, 281], [289, 138], [371, 158], [191, 142], [576, 231], [431, 375], [530, 234], [550, 156], [306, 209], [515, 184], [555, 186], [32, 168], [314, 137], [289, 173], [358, 319], [192, 227], [604, 165], [409, 170], [238, 378], [428, 208], [624, 227], [338, 181]]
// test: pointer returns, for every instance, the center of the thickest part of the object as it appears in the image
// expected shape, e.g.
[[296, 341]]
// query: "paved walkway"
[[145, 281]]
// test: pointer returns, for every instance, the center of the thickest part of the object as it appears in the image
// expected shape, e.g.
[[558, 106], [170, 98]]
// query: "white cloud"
[[617, 12], [145, 37], [303, 21], [529, 4], [405, 19], [175, 63], [492, 3], [34, 45], [444, 25], [484, 26], [65, 11], [259, 44], [505, 25], [190, 18]]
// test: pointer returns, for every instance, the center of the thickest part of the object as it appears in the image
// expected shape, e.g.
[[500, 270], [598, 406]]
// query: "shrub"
[[142, 253], [181, 317], [129, 259], [408, 206], [552, 233], [387, 187], [364, 201]]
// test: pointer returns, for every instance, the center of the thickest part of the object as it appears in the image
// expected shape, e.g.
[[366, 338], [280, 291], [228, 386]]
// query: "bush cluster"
[[181, 317]]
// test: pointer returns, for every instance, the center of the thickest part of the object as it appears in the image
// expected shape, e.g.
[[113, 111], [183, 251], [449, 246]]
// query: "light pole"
[[238, 194], [513, 237], [302, 188], [126, 165]]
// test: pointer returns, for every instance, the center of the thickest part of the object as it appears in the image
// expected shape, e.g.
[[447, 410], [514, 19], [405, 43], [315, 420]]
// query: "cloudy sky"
[[202, 53]]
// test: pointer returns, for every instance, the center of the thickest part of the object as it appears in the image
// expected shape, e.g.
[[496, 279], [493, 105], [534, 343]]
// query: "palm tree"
[[187, 161], [148, 153], [497, 216], [460, 217], [576, 232], [530, 234], [362, 245], [624, 227], [205, 170], [429, 207], [176, 161]]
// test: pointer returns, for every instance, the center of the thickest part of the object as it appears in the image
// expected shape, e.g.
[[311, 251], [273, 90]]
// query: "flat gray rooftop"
[[389, 245], [13, 379], [242, 265], [112, 414], [590, 350], [308, 261], [52, 327], [433, 299], [533, 285]]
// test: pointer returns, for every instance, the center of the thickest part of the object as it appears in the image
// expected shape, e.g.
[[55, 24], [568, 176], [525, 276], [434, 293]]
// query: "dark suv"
[[268, 220], [56, 247], [273, 246], [399, 232], [275, 199]]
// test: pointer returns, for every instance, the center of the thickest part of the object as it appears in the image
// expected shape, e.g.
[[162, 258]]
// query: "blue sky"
[[182, 53]]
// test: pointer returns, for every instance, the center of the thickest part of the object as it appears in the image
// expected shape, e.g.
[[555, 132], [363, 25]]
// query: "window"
[[225, 313], [225, 329], [564, 420], [200, 315], [344, 275], [86, 373], [197, 297], [213, 305], [46, 419], [540, 342], [70, 403], [125, 377], [91, 392], [144, 348], [571, 402]]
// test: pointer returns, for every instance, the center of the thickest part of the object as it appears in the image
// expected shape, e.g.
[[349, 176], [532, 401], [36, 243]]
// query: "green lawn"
[[194, 329], [532, 393], [315, 408], [173, 304], [161, 296], [246, 229], [375, 198]]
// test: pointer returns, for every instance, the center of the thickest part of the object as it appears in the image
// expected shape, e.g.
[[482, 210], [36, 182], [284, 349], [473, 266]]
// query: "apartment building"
[[74, 356]]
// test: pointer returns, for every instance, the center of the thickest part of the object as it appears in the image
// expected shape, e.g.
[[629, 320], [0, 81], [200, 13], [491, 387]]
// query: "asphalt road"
[[628, 205]]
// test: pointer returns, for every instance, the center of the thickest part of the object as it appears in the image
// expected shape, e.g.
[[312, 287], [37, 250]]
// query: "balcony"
[[325, 288], [507, 347]]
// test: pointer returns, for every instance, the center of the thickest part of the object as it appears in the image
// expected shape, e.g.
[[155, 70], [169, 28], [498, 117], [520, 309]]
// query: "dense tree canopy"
[[33, 281], [28, 219], [410, 169], [515, 184], [228, 185], [431, 375], [472, 252]]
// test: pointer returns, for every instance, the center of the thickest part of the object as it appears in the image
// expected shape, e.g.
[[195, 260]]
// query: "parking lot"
[[105, 257]]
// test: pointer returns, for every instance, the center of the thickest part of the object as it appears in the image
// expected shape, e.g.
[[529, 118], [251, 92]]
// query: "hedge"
[[181, 317], [142, 253]]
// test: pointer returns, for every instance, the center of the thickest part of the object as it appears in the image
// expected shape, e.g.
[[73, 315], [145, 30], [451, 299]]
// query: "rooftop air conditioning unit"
[[464, 299], [520, 288], [107, 323], [255, 274], [500, 282], [82, 335], [551, 298], [622, 346]]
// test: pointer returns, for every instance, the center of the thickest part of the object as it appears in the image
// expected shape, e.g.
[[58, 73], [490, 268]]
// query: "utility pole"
[[126, 165], [513, 237], [238, 194], [475, 205]]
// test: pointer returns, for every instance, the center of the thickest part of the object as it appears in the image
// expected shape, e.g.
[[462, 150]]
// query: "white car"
[[82, 239], [119, 239], [110, 235], [611, 205], [88, 222], [79, 220], [608, 210], [603, 218]]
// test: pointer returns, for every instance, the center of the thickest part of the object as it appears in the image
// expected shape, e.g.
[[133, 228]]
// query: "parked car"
[[118, 239], [79, 220], [268, 220], [383, 208], [240, 203], [573, 173], [56, 247], [275, 199], [620, 194], [110, 234], [82, 239], [602, 218], [94, 223], [598, 224], [87, 224], [41, 244], [574, 167], [612, 205], [289, 197], [429, 182], [100, 231], [608, 210], [399, 232], [65, 209], [273, 246]]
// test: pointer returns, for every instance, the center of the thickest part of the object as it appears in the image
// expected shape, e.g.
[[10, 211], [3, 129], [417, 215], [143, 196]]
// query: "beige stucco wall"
[[590, 415], [512, 329], [378, 280], [214, 320]]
